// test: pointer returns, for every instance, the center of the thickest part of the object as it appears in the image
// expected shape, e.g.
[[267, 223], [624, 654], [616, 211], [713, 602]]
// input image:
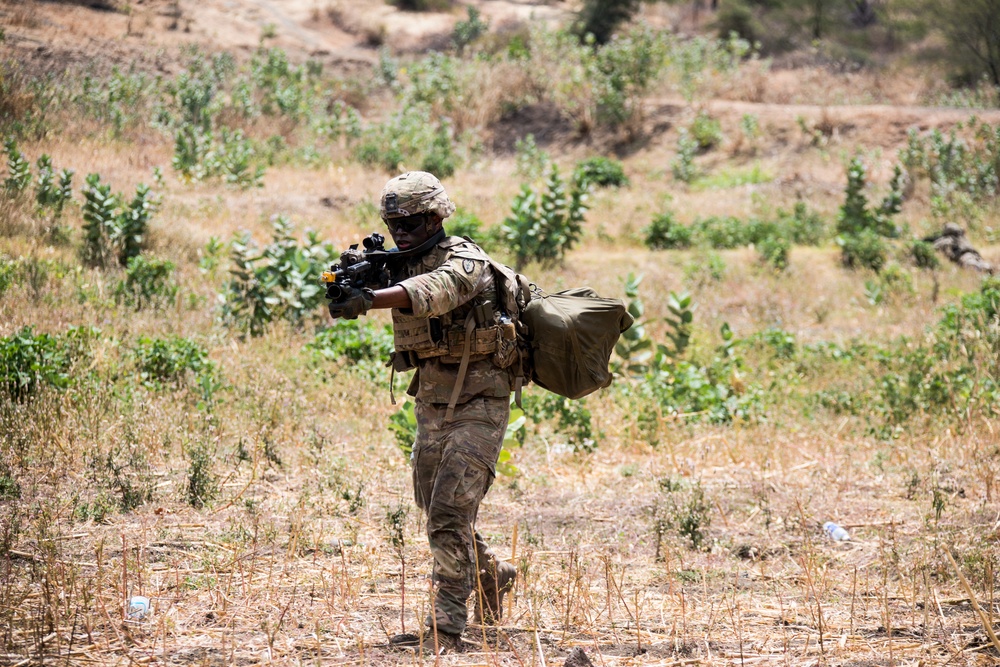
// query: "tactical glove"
[[355, 302]]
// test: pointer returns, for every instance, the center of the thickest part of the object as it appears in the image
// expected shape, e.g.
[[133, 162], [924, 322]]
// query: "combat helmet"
[[414, 193]]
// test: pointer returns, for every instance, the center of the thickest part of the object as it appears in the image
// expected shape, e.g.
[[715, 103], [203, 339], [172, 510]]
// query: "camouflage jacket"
[[447, 283]]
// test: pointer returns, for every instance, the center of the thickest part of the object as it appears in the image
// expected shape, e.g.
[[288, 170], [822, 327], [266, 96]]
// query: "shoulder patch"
[[468, 266]]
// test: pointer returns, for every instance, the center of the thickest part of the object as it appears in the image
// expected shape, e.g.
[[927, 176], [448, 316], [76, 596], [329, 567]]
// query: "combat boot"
[[496, 581]]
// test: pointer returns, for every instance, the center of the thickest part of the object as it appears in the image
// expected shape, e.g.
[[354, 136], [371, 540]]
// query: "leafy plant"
[[29, 361], [601, 172], [773, 250], [706, 131], [861, 229], [202, 483], [681, 309], [685, 511], [924, 255], [170, 360], [634, 348], [110, 228], [280, 281], [682, 165], [353, 342], [532, 161], [572, 419], [18, 169], [148, 282], [665, 233], [468, 31], [544, 225]]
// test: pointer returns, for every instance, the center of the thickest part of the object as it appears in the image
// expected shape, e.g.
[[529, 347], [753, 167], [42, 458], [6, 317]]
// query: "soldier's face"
[[411, 231]]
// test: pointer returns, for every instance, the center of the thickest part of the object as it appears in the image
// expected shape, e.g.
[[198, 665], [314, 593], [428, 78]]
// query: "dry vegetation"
[[249, 486]]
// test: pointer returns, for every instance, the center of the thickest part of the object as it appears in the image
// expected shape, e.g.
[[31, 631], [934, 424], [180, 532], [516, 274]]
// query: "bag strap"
[[470, 326]]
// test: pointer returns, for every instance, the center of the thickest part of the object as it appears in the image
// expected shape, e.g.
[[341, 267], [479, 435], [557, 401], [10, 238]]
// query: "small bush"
[[148, 282], [665, 233], [466, 32], [112, 229], [722, 233], [803, 226], [682, 165], [202, 483], [774, 250], [18, 169], [353, 342], [706, 132], [924, 255], [465, 223], [29, 361], [280, 281], [171, 360], [544, 225], [532, 161], [862, 229], [864, 250], [601, 172]]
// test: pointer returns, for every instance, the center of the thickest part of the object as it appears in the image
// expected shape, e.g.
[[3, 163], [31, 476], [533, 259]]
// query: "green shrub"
[[466, 32], [172, 360], [601, 172], [864, 250], [665, 233], [280, 281], [634, 348], [862, 229], [202, 483], [29, 361], [411, 135], [544, 226], [148, 282], [720, 232], [773, 250], [532, 161], [682, 165], [624, 69], [924, 255], [705, 268], [353, 342], [572, 419], [110, 228], [706, 131], [465, 223], [803, 226], [18, 169]]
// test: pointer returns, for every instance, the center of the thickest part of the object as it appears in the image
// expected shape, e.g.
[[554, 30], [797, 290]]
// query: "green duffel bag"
[[570, 338]]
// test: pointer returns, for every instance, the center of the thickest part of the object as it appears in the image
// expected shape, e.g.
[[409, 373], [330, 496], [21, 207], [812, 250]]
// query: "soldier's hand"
[[355, 302]]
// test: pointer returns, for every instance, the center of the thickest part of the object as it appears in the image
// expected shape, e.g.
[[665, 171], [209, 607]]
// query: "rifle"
[[358, 269]]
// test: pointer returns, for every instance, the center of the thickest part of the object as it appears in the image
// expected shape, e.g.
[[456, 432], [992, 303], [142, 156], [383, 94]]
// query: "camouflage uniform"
[[953, 243], [454, 460]]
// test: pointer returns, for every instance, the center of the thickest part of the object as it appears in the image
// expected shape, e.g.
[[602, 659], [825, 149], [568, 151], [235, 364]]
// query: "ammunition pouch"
[[426, 338]]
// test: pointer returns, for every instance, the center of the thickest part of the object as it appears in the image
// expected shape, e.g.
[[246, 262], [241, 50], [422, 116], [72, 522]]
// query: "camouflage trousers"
[[454, 465]]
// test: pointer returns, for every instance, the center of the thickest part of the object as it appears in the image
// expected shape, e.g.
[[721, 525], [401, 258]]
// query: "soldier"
[[447, 327], [952, 242]]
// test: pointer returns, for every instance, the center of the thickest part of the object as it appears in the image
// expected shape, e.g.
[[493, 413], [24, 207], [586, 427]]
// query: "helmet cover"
[[414, 193]]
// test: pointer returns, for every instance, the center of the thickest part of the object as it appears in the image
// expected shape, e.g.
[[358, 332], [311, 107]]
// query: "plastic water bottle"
[[836, 532], [138, 607]]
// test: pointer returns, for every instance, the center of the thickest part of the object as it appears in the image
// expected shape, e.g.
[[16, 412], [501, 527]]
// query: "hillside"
[[180, 420]]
